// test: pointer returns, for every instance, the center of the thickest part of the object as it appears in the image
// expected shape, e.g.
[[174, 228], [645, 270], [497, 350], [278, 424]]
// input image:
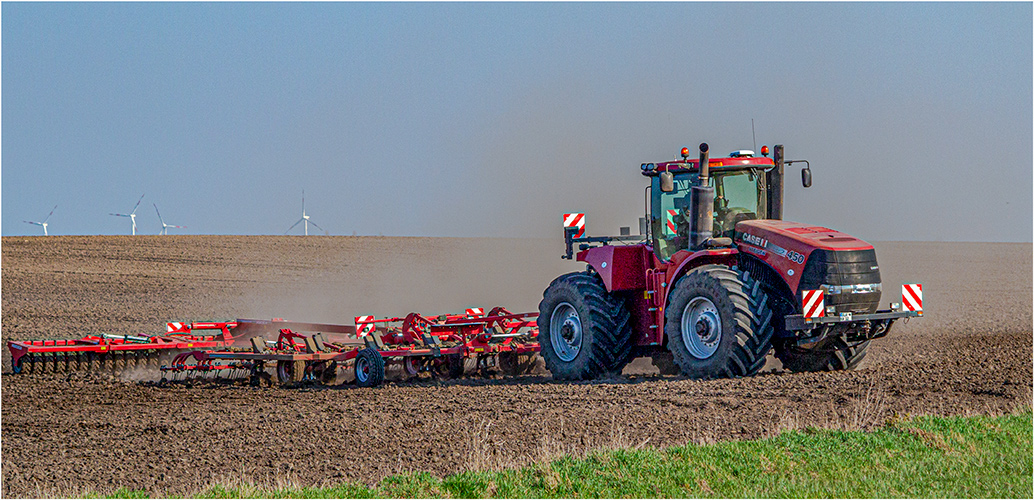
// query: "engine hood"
[[807, 255], [806, 236]]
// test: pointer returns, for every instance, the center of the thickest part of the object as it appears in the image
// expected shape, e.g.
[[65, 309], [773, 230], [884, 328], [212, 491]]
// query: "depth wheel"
[[290, 372], [832, 354], [369, 368], [718, 323], [20, 365], [584, 331]]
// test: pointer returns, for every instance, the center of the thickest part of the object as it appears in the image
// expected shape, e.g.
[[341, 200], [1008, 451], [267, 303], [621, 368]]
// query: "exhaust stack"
[[702, 204]]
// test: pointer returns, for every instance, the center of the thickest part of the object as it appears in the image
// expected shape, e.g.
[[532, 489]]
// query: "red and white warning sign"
[[363, 326], [814, 303], [575, 220], [669, 221], [475, 311], [177, 328], [912, 297]]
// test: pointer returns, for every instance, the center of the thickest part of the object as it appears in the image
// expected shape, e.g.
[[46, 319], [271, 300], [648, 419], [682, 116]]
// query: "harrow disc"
[[47, 363], [411, 366], [328, 372], [119, 363], [514, 364], [64, 363], [131, 360], [91, 362], [107, 362]]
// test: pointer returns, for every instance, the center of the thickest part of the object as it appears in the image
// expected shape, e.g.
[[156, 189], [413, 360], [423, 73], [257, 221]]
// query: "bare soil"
[[71, 434]]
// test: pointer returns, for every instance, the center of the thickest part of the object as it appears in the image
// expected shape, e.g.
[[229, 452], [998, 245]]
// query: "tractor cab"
[[741, 193]]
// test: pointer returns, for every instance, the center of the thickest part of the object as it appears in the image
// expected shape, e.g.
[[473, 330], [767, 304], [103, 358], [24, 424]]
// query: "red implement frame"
[[418, 341], [178, 337]]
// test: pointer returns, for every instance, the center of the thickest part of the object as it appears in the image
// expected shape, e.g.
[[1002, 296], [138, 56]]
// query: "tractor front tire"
[[833, 354], [584, 331], [718, 323]]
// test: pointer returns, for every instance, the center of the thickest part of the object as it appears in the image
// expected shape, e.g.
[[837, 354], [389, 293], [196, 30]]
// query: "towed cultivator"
[[447, 346], [103, 351]]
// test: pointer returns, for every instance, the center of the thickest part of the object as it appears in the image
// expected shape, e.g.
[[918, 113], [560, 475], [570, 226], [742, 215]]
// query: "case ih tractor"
[[719, 281]]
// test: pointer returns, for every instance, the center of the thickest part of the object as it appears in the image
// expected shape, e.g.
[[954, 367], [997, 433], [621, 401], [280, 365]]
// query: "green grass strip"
[[925, 457]]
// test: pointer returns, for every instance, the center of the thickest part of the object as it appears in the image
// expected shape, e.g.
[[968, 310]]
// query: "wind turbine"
[[44, 223], [305, 219], [132, 215], [165, 227]]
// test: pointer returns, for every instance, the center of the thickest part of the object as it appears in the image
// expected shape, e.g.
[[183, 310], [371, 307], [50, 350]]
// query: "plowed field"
[[70, 434]]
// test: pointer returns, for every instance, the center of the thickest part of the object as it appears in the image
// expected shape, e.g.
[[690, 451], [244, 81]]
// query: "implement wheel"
[[290, 372], [718, 323], [21, 365], [369, 368], [832, 354], [584, 331]]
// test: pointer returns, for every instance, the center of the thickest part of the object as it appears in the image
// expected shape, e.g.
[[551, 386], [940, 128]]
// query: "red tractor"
[[716, 282]]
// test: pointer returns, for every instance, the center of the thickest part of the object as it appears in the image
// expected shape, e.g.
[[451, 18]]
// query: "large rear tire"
[[584, 331], [832, 354], [718, 323]]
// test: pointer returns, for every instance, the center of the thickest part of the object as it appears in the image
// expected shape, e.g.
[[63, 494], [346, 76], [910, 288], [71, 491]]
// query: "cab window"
[[739, 195]]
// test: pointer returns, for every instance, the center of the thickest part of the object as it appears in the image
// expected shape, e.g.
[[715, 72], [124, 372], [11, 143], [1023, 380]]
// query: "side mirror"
[[667, 182], [806, 177]]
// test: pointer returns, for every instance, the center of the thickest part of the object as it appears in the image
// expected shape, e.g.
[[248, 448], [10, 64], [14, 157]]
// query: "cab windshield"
[[739, 195]]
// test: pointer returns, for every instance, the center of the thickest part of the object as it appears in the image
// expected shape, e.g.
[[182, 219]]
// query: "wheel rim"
[[701, 327], [565, 332], [362, 369]]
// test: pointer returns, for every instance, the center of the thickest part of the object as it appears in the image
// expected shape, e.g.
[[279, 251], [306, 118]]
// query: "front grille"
[[845, 267]]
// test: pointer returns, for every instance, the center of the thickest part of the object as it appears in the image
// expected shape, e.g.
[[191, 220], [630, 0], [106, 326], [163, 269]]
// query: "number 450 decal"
[[795, 257]]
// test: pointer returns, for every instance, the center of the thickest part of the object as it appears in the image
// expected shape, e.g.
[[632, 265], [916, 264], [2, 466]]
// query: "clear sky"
[[493, 119]]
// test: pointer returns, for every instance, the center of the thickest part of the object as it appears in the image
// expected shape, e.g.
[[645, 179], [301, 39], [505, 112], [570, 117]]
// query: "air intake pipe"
[[702, 205]]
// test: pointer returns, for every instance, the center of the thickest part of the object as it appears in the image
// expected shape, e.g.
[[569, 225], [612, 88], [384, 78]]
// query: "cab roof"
[[652, 169]]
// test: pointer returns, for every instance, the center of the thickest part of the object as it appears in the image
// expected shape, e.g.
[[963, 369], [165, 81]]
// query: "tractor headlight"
[[844, 289]]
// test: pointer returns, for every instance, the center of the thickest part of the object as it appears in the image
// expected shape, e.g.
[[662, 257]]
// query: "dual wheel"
[[718, 324]]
